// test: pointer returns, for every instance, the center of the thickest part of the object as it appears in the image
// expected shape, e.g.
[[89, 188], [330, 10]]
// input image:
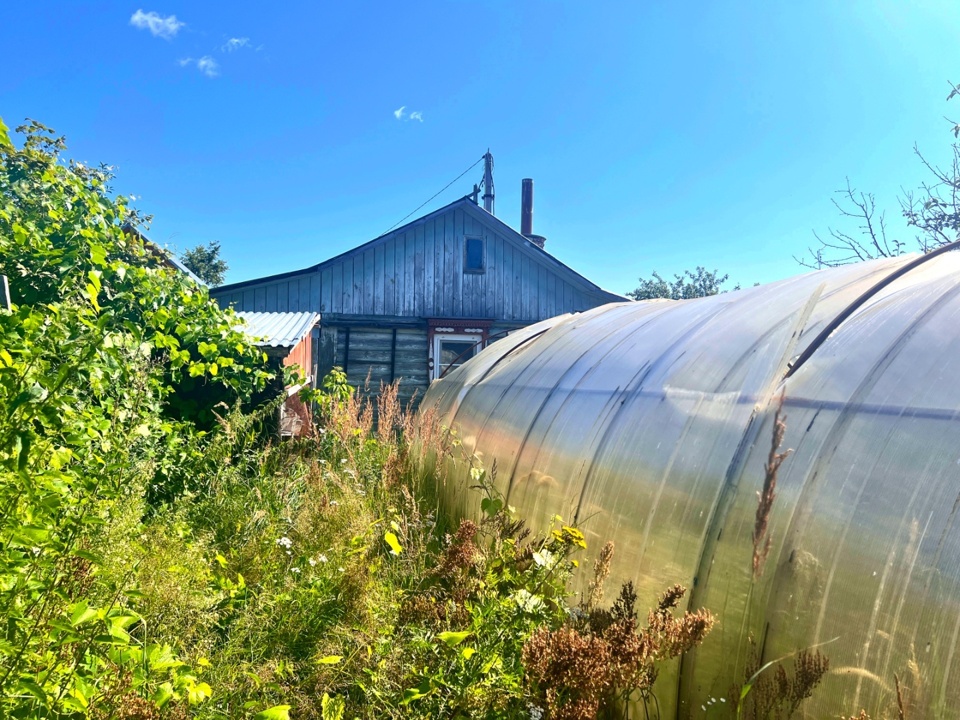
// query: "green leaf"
[[30, 535], [391, 539], [468, 652], [452, 639], [332, 708], [82, 613], [491, 506], [163, 695], [35, 393], [98, 254], [4, 136], [330, 660], [198, 693], [411, 694], [34, 689], [92, 293], [207, 350], [87, 555], [277, 712]]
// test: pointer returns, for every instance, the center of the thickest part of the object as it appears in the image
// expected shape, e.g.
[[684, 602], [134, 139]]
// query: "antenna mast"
[[488, 182]]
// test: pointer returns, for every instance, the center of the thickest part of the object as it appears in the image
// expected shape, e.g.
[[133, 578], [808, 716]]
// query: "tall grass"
[[318, 578]]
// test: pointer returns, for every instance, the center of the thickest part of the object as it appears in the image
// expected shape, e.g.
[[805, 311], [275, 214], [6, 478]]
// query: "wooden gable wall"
[[418, 271]]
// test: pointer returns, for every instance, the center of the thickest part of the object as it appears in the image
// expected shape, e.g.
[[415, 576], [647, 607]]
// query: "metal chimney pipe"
[[526, 207]]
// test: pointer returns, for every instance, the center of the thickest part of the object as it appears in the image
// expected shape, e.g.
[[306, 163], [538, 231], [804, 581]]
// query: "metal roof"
[[278, 329]]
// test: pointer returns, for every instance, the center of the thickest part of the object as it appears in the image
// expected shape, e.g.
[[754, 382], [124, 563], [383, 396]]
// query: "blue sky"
[[660, 135]]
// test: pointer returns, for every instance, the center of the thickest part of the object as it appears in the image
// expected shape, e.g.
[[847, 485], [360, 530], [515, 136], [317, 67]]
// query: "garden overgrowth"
[[163, 555]]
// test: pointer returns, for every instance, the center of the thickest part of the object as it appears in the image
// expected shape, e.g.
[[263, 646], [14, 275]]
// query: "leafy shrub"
[[102, 358]]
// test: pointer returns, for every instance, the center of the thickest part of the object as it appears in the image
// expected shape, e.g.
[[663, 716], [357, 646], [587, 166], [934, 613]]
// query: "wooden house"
[[424, 297]]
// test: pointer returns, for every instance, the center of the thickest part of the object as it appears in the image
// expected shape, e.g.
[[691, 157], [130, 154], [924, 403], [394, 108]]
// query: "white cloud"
[[208, 66], [235, 44], [163, 27], [401, 114]]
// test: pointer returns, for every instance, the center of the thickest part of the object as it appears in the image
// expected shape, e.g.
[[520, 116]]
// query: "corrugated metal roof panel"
[[278, 329]]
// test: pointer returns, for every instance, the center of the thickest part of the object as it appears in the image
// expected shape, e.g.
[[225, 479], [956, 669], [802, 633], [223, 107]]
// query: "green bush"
[[111, 368]]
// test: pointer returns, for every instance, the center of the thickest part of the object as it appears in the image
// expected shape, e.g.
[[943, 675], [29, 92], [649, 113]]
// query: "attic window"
[[473, 259]]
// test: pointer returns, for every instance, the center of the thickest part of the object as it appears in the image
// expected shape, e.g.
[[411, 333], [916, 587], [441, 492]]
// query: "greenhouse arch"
[[651, 424]]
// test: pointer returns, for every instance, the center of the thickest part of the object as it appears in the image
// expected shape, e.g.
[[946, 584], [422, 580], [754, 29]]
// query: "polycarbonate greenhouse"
[[650, 424]]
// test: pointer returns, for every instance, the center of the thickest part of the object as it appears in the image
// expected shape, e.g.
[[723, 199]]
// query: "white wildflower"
[[321, 558], [285, 542], [295, 570], [527, 601], [545, 558]]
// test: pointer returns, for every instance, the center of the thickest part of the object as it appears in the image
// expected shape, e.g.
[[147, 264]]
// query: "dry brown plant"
[[461, 554], [762, 539], [603, 657], [896, 681], [389, 413], [601, 570], [572, 668], [776, 695]]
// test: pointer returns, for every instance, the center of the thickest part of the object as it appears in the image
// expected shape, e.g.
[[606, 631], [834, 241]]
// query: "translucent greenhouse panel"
[[458, 498], [864, 415], [651, 423], [504, 407]]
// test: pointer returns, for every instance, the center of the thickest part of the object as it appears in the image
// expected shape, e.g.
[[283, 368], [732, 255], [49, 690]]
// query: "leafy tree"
[[692, 284], [205, 262], [61, 230], [932, 212], [112, 367]]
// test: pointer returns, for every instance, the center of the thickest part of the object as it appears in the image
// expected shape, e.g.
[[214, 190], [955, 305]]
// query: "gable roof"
[[466, 204]]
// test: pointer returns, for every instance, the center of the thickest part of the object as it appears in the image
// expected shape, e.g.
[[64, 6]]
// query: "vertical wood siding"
[[418, 272]]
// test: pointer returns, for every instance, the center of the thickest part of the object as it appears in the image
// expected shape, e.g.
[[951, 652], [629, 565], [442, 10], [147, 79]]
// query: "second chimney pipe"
[[526, 207]]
